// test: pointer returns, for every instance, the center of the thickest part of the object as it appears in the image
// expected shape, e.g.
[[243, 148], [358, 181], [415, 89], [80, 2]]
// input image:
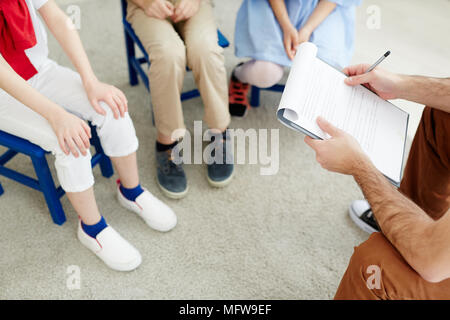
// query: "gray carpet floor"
[[286, 236]]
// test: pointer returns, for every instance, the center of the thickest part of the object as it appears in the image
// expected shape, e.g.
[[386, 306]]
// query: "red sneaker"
[[237, 95]]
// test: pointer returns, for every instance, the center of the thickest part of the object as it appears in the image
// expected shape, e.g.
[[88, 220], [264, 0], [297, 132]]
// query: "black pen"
[[378, 61]]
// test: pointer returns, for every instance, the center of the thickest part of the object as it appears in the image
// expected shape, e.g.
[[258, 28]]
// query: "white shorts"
[[64, 87]]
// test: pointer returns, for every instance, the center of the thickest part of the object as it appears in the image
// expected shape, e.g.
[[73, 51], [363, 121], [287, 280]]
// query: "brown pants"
[[426, 181], [170, 48]]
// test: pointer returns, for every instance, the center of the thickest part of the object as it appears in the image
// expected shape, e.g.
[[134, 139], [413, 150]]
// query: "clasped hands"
[[293, 37], [163, 9]]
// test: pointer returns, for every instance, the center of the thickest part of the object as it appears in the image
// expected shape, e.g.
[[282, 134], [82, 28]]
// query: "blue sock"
[[94, 229], [131, 194]]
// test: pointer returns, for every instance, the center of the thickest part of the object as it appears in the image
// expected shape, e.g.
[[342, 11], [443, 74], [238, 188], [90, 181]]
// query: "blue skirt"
[[259, 36]]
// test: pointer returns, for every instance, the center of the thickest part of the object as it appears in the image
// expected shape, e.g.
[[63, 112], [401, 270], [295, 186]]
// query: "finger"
[[87, 129], [170, 6], [181, 6], [167, 9], [313, 143], [294, 43], [97, 107], [356, 69], [327, 127], [287, 47], [113, 106], [294, 49], [84, 137], [120, 105], [159, 13], [122, 95], [124, 100], [80, 144], [359, 79], [180, 14], [63, 145], [72, 146]]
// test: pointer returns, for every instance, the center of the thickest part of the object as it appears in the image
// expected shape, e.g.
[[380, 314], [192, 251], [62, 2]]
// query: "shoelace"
[[238, 92], [369, 218], [168, 165]]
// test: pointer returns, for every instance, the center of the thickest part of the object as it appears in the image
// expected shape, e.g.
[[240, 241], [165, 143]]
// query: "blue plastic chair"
[[44, 182], [256, 92], [135, 63]]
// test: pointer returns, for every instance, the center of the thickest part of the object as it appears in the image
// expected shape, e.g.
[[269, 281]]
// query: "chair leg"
[[131, 54], [254, 100], [48, 189], [105, 163], [151, 109]]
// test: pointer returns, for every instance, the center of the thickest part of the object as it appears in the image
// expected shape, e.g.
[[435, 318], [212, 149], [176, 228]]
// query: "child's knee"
[[266, 73], [168, 54], [74, 173], [203, 51], [117, 136]]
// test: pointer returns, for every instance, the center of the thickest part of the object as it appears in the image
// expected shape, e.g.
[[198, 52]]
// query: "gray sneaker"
[[171, 176], [221, 172]]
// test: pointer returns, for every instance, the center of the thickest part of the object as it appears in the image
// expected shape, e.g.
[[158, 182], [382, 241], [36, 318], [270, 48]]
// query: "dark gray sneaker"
[[363, 217], [171, 176], [220, 171]]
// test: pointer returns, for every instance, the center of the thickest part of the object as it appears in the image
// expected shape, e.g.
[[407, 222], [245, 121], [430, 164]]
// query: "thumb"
[[359, 79], [327, 127]]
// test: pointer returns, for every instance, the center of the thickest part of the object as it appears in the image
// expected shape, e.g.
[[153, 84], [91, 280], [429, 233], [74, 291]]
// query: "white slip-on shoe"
[[116, 252], [155, 213], [362, 215]]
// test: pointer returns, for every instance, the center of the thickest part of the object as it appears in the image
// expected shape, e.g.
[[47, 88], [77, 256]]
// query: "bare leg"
[[127, 169], [85, 205], [259, 73], [217, 131], [84, 202]]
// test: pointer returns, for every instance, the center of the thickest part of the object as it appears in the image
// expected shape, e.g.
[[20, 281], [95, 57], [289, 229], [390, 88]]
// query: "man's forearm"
[[420, 240], [433, 92]]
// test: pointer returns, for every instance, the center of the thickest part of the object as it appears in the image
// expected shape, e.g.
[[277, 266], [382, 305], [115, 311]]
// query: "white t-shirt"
[[39, 53]]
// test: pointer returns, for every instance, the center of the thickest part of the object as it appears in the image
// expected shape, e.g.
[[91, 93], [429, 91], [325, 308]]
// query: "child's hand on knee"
[[98, 91], [72, 132]]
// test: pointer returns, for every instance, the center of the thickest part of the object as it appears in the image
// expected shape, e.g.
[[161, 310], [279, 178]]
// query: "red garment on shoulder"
[[17, 34]]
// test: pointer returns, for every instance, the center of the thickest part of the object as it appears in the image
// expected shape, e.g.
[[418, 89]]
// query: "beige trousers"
[[170, 48]]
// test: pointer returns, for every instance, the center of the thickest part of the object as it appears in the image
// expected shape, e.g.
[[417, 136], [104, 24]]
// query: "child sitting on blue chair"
[[268, 32], [176, 34], [48, 105]]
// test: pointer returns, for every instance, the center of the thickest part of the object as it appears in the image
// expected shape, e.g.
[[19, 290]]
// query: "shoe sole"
[[220, 184], [361, 224], [171, 194], [243, 116]]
